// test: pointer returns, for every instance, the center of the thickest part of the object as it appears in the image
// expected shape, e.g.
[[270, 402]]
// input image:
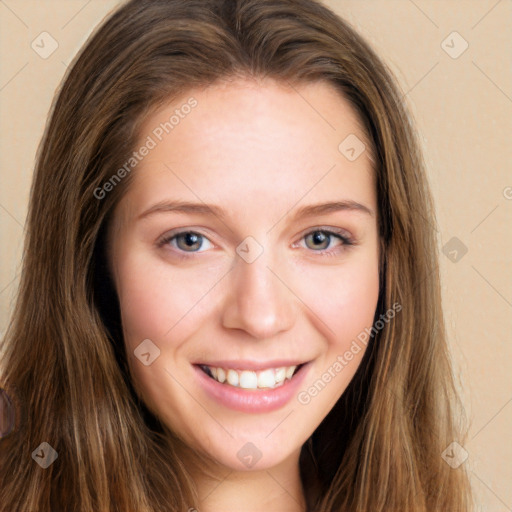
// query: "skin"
[[260, 150]]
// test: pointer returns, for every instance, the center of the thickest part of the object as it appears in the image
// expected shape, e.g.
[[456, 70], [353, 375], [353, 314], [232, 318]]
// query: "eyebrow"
[[210, 209]]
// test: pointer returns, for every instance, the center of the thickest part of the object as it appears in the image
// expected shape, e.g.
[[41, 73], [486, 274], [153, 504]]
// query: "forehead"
[[248, 142]]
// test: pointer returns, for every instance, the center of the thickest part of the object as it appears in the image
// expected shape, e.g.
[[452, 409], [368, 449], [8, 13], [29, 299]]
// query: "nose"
[[259, 300]]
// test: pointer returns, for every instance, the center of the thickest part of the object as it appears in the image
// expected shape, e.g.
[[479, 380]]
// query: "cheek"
[[344, 302], [156, 299], [344, 298], [157, 304], [143, 305]]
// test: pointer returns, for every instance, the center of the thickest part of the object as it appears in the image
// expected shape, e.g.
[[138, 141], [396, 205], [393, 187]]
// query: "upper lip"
[[244, 364]]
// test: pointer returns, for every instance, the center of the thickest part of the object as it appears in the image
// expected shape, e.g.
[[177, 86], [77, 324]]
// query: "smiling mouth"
[[270, 378]]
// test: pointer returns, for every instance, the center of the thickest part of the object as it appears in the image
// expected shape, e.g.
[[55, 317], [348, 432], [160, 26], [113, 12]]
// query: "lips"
[[250, 399]]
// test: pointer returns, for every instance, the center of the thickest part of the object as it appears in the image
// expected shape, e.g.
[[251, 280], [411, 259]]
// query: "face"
[[240, 301]]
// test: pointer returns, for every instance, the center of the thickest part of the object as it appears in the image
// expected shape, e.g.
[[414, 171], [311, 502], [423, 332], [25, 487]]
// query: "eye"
[[184, 241], [321, 239]]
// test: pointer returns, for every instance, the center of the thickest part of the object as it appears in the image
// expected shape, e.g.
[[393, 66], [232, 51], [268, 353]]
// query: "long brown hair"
[[64, 366]]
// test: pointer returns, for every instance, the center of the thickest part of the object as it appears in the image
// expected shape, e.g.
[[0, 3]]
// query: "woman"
[[253, 372]]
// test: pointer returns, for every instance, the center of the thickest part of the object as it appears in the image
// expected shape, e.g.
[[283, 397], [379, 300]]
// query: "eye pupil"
[[190, 239], [319, 237]]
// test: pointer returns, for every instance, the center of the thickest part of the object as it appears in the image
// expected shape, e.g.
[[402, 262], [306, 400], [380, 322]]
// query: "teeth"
[[270, 378], [280, 374], [267, 379], [232, 377], [221, 375], [248, 380], [289, 372]]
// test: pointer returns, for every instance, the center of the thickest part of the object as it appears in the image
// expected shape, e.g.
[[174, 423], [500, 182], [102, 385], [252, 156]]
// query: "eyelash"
[[347, 241]]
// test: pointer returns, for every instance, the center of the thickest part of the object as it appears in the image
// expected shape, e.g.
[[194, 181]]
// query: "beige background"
[[463, 110]]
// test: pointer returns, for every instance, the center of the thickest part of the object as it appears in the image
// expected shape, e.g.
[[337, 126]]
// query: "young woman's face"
[[256, 285]]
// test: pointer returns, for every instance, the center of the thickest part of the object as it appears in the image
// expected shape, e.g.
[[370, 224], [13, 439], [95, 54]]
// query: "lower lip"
[[252, 400]]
